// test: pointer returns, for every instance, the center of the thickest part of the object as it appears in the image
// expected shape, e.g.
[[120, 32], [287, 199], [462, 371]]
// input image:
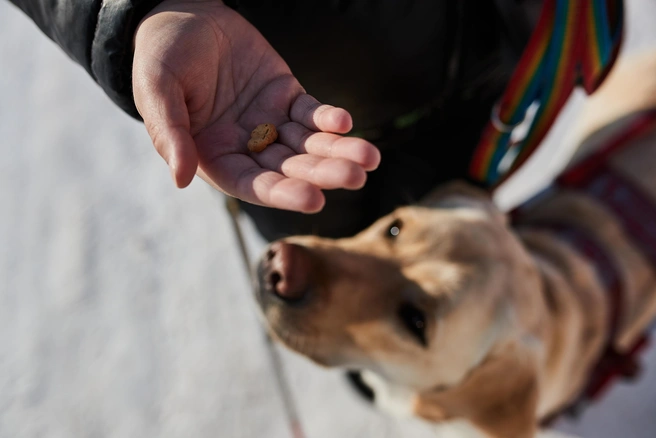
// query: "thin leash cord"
[[289, 406]]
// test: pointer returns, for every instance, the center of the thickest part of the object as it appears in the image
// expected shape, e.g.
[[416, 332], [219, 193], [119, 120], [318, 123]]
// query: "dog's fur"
[[515, 319]]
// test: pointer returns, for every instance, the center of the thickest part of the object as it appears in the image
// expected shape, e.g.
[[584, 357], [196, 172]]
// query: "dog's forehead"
[[462, 227], [453, 212]]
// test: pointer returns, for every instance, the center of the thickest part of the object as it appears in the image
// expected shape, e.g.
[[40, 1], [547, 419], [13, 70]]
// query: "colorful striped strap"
[[575, 42]]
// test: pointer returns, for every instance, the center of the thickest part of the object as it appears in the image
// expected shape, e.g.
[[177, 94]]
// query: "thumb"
[[160, 100]]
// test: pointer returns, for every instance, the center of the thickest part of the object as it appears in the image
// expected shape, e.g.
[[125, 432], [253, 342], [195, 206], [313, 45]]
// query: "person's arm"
[[97, 35], [203, 78]]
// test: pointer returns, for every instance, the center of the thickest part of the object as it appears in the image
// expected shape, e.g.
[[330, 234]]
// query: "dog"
[[460, 316]]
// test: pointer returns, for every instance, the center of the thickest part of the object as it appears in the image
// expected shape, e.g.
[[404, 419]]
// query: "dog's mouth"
[[291, 304], [287, 321]]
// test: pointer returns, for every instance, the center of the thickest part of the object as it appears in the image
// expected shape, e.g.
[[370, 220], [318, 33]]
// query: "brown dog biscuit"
[[262, 136]]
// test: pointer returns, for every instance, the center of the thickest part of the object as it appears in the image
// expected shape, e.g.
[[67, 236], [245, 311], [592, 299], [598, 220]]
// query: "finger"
[[312, 114], [323, 144], [327, 173], [161, 103], [239, 176]]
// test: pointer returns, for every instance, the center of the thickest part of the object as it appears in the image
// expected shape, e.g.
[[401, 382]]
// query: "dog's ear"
[[459, 194], [499, 397]]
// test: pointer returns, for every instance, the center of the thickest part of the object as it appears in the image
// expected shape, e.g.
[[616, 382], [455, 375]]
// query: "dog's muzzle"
[[284, 274]]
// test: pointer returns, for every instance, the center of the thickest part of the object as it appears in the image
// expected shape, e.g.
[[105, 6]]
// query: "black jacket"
[[394, 56], [97, 35]]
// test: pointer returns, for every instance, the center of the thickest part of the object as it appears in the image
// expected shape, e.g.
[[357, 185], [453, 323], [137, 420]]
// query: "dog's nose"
[[287, 271]]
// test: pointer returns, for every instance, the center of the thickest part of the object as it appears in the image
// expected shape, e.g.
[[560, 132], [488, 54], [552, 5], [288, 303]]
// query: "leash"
[[575, 43], [289, 406]]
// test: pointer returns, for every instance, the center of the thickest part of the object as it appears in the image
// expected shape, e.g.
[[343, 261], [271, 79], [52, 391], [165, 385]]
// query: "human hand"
[[204, 77]]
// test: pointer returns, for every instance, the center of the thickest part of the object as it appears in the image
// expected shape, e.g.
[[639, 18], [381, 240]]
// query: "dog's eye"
[[394, 229], [415, 321]]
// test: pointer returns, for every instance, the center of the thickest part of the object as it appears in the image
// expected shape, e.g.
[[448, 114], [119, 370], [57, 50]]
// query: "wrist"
[[179, 6]]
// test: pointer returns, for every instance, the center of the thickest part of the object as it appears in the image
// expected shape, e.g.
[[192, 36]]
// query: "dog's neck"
[[598, 208], [572, 329], [576, 300]]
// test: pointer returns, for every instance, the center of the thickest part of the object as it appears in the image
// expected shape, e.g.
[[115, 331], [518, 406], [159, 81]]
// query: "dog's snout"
[[287, 271]]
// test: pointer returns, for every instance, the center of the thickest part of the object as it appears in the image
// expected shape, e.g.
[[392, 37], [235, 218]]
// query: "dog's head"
[[423, 298]]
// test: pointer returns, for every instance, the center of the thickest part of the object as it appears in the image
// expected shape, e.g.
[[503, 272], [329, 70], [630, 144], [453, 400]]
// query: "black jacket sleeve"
[[98, 35]]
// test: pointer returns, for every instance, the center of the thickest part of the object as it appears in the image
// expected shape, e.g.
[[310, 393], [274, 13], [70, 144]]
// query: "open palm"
[[204, 77]]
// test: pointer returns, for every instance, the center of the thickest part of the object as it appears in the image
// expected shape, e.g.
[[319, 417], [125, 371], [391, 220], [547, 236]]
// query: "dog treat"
[[262, 136]]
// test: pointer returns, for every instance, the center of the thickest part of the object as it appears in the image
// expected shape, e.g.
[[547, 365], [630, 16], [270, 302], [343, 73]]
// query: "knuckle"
[[304, 139], [317, 112], [305, 107], [156, 134], [279, 166]]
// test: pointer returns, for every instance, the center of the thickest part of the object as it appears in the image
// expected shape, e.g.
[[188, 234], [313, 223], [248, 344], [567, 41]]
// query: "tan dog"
[[455, 316]]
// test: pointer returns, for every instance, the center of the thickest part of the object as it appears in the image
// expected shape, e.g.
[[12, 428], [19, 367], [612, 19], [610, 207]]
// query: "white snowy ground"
[[124, 309]]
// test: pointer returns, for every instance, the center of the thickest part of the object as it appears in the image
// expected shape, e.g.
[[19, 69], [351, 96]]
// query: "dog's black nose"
[[287, 271]]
